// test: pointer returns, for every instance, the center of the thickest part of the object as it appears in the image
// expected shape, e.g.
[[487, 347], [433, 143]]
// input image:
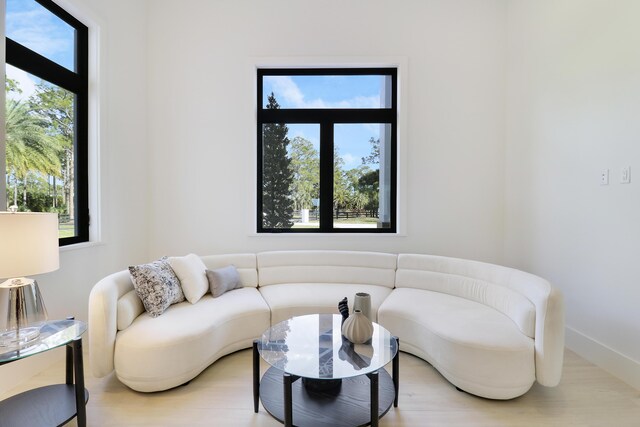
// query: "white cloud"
[[287, 89], [350, 161], [292, 96], [374, 128], [25, 82], [359, 102], [41, 31]]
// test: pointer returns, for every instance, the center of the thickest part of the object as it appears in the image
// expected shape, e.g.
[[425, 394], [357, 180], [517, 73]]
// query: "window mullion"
[[326, 177], [32, 62]]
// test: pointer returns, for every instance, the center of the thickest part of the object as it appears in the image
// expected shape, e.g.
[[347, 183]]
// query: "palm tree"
[[55, 105], [29, 149]]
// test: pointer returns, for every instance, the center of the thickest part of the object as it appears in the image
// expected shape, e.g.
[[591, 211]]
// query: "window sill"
[[333, 235], [78, 246]]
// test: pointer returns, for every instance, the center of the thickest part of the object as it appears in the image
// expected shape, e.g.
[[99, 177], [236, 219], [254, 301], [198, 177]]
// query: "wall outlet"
[[625, 175], [604, 177]]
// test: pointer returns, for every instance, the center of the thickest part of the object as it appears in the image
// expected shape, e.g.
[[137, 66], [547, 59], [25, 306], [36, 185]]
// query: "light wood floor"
[[222, 396]]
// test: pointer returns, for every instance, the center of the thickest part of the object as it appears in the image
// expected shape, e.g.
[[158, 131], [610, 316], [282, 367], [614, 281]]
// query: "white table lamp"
[[28, 246]]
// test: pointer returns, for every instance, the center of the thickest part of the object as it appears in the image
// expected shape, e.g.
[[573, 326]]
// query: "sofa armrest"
[[549, 343], [103, 304]]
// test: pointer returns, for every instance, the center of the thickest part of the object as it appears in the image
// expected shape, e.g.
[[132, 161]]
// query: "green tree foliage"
[[33, 153], [357, 188], [340, 183], [29, 149], [374, 157], [305, 165], [56, 106], [358, 199], [11, 85], [369, 185], [277, 175], [369, 180]]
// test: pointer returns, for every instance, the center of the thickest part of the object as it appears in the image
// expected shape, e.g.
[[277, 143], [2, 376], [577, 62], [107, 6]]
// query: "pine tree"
[[277, 176]]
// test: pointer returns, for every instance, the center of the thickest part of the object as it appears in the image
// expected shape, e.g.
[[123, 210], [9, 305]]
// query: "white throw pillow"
[[191, 272], [129, 307]]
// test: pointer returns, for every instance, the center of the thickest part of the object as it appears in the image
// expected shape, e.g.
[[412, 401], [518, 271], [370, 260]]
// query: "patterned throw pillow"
[[156, 285]]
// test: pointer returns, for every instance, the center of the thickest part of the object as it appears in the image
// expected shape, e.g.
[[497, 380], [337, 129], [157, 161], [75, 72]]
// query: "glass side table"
[[52, 405]]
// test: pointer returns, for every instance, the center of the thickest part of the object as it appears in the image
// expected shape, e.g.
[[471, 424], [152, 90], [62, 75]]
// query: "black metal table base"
[[350, 407], [52, 405]]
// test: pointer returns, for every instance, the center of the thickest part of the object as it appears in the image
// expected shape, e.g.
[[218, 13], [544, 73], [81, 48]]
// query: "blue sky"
[[352, 140], [30, 24], [324, 91]]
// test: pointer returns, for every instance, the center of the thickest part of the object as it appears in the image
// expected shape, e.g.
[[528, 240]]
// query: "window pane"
[[40, 148], [290, 175], [328, 91], [362, 176], [33, 26]]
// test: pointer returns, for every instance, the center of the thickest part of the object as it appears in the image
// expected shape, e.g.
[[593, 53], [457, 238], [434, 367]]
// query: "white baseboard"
[[619, 365]]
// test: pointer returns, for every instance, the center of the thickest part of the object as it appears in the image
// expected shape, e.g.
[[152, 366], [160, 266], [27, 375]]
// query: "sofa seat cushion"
[[160, 353], [296, 299], [476, 347]]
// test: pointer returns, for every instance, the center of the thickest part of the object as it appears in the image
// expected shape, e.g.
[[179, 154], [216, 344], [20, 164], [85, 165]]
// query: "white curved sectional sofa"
[[492, 331]]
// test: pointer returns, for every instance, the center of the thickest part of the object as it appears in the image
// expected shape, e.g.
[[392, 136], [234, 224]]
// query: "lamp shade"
[[28, 243]]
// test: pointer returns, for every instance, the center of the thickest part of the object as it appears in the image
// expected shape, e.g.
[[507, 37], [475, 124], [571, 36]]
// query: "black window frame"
[[326, 118], [76, 82]]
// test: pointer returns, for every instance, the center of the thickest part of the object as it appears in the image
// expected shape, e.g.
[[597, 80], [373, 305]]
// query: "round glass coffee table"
[[341, 383]]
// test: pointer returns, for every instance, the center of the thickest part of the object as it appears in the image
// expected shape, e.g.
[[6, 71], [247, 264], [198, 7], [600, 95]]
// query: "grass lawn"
[[66, 229], [362, 222]]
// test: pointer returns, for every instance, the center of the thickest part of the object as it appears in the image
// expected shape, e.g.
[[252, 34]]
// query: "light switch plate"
[[625, 175], [604, 177]]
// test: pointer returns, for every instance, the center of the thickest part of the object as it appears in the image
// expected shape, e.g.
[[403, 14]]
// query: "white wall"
[[572, 110], [177, 140], [119, 29], [202, 117]]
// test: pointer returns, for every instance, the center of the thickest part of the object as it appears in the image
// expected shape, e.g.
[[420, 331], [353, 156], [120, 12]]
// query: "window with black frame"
[[46, 141], [327, 150]]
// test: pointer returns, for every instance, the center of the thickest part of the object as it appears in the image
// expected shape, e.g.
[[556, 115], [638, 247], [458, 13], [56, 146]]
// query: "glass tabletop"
[[312, 346], [54, 333]]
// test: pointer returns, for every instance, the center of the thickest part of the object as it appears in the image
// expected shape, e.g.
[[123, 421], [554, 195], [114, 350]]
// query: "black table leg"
[[69, 361], [78, 366], [288, 404], [69, 364], [373, 376], [256, 376], [396, 373]]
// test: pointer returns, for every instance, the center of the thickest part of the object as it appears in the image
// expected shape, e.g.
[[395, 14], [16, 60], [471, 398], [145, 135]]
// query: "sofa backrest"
[[371, 268], [488, 284]]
